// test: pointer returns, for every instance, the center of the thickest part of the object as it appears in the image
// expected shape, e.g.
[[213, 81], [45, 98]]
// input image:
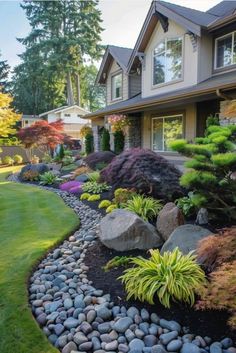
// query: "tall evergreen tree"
[[66, 32], [4, 73]]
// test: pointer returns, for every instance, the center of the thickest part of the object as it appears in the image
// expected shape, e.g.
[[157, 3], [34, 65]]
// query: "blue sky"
[[122, 21]]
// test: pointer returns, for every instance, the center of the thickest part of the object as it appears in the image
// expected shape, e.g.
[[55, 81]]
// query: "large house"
[[72, 117], [181, 70]]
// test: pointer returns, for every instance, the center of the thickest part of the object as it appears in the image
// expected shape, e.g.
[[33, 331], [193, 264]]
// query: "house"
[[72, 117], [181, 70], [28, 120]]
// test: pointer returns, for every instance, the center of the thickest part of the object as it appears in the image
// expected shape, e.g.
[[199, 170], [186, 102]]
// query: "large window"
[[167, 61], [166, 129], [225, 50], [116, 86]]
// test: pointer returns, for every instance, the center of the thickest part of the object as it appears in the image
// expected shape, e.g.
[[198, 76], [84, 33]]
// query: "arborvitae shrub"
[[89, 143], [119, 141], [105, 140], [61, 152], [146, 172], [97, 158], [213, 162]]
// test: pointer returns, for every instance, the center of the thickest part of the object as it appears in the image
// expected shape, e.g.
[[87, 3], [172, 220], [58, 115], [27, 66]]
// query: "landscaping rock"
[[71, 322], [190, 348], [71, 346], [82, 178], [186, 238], [123, 324], [40, 168], [123, 230], [169, 218], [202, 217]]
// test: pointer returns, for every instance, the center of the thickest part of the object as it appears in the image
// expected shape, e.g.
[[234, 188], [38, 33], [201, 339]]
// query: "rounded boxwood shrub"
[[97, 158], [8, 160], [144, 171], [18, 159]]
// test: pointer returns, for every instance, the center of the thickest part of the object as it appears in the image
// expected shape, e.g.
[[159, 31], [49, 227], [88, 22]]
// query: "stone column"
[[96, 138], [133, 133], [224, 120]]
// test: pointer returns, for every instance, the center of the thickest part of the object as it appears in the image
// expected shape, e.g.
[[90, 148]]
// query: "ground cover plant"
[[212, 166], [117, 261], [49, 178], [32, 221], [171, 276], [145, 171], [94, 187]]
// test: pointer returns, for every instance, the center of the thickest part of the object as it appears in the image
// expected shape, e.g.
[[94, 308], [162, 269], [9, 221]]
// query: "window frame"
[[67, 115], [154, 85], [164, 117], [233, 34], [121, 88]]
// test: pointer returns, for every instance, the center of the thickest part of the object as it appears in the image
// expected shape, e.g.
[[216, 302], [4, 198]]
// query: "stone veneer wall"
[[133, 133], [223, 119], [96, 137]]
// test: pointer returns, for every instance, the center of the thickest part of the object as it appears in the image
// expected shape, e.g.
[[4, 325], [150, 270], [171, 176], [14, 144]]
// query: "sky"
[[122, 21]]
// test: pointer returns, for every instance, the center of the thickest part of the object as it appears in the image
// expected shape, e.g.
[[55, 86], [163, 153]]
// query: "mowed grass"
[[31, 221]]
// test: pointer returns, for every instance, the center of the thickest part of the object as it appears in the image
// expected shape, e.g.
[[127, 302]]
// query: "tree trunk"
[[70, 96], [77, 84]]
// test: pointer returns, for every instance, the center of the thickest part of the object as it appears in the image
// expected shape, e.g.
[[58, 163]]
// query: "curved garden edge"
[[83, 326], [23, 243]]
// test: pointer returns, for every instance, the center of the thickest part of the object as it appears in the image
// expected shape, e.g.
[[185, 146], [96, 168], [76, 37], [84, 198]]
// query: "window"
[[167, 61], [166, 129], [116, 86], [225, 50], [67, 115]]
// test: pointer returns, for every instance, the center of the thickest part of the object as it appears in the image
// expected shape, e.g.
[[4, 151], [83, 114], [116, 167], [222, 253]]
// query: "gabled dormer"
[[113, 74]]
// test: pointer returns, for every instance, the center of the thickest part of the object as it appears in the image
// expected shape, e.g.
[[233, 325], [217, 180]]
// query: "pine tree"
[[4, 73]]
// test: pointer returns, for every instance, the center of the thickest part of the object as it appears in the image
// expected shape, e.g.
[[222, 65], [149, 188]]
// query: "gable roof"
[[119, 54], [63, 108], [222, 9]]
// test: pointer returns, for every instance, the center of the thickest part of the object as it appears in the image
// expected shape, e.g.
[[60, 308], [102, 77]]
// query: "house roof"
[[224, 8], [28, 116], [64, 108], [119, 54], [225, 81]]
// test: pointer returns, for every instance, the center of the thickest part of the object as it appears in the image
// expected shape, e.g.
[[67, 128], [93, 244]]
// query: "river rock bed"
[[76, 317]]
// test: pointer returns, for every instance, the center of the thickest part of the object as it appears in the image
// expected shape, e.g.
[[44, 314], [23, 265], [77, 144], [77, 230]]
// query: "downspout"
[[223, 95]]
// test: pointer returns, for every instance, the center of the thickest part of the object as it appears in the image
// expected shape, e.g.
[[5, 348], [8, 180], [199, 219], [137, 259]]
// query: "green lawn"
[[32, 221]]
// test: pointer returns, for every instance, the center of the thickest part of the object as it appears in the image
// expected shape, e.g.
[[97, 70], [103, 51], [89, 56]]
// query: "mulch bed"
[[205, 323]]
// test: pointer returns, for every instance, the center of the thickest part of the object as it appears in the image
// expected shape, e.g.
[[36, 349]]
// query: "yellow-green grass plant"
[[144, 207], [171, 276], [32, 221]]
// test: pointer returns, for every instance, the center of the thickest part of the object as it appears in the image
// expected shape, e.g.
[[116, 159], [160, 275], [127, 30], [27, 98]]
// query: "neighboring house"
[[28, 120], [181, 70], [72, 117]]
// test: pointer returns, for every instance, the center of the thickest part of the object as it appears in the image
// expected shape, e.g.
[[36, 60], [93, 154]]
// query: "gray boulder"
[[169, 218], [41, 168], [186, 238], [123, 230], [82, 177]]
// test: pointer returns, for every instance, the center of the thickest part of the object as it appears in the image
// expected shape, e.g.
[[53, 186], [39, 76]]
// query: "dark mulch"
[[211, 323]]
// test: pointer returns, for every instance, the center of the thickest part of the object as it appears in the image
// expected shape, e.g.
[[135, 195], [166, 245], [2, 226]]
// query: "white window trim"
[[163, 142], [121, 91], [182, 70], [215, 59]]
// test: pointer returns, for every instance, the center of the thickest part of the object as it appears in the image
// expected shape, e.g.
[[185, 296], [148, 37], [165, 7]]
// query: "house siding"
[[135, 85], [205, 57], [115, 68], [190, 61]]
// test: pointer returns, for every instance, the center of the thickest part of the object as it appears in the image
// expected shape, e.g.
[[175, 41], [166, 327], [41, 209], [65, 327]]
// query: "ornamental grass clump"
[[212, 164], [145, 207], [171, 277]]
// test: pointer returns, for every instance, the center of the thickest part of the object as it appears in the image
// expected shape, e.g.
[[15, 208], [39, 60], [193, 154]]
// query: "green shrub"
[[122, 195], [111, 208], [48, 178], [89, 148], [117, 261], [47, 158], [61, 153], [212, 120], [100, 165], [213, 163], [144, 207], [30, 175], [119, 141], [67, 160], [18, 159], [93, 176], [104, 204], [94, 198], [105, 140], [95, 188], [84, 196], [0, 161], [8, 160], [187, 205], [171, 276]]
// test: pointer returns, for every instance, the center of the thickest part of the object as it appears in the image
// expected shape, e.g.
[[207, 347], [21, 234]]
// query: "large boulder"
[[123, 230], [40, 168], [169, 218], [98, 160], [186, 238]]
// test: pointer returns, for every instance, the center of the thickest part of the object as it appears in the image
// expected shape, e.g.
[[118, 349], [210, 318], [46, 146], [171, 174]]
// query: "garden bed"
[[211, 323]]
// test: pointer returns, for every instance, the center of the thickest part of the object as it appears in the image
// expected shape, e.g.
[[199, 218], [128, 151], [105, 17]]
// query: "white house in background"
[[28, 120], [72, 117]]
